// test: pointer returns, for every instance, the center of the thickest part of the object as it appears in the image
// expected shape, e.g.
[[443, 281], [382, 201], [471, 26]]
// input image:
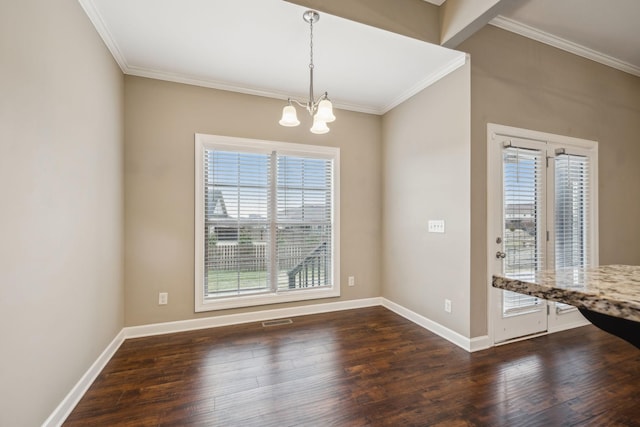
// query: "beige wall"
[[519, 82], [61, 134], [160, 123], [426, 164]]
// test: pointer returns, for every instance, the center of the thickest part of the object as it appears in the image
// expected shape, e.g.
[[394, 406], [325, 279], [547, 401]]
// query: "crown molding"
[[448, 68], [453, 65], [214, 84], [566, 45], [97, 21]]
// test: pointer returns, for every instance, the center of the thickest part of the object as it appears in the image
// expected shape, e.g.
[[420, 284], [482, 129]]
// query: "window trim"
[[203, 141]]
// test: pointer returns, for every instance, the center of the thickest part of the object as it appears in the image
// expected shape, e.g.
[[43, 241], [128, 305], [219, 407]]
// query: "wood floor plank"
[[364, 367]]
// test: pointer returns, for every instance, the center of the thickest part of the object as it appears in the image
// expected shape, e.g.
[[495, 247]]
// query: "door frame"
[[493, 169]]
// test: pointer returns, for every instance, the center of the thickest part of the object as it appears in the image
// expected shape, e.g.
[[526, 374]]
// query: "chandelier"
[[321, 109]]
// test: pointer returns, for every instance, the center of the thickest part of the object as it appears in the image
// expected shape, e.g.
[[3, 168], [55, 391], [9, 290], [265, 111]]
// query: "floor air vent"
[[276, 322]]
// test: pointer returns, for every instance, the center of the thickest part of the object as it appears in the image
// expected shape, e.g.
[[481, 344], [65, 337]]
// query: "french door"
[[541, 215]]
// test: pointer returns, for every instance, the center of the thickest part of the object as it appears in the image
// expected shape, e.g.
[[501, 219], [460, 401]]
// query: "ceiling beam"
[[413, 18], [459, 19], [447, 25]]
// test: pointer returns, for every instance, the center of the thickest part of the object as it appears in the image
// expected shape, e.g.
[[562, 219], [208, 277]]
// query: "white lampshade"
[[325, 111], [289, 116], [319, 126]]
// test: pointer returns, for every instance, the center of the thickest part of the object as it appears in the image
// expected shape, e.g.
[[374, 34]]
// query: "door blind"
[[572, 245], [524, 211], [571, 210]]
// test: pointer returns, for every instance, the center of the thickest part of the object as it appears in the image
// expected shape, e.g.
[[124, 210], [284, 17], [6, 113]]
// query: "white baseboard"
[[70, 401], [468, 344], [236, 319], [482, 342], [66, 406], [474, 344]]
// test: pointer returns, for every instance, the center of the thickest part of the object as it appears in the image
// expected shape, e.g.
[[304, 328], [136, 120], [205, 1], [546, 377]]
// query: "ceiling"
[[261, 47]]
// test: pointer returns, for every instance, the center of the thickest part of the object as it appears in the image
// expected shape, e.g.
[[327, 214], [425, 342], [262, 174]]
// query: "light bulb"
[[319, 126], [325, 111], [289, 116]]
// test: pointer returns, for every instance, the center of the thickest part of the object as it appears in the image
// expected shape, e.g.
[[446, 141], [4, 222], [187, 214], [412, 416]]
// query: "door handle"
[[500, 255]]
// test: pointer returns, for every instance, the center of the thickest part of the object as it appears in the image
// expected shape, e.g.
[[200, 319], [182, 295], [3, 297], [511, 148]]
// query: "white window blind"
[[266, 222], [236, 222], [572, 194], [304, 209], [524, 222], [571, 210]]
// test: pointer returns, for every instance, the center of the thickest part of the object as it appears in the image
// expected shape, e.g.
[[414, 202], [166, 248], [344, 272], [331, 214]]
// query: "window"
[[267, 222]]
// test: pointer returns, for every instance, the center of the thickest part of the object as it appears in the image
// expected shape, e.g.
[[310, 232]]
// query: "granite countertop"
[[609, 289]]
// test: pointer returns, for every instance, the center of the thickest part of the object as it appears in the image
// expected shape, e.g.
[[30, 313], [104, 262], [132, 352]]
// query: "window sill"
[[265, 299]]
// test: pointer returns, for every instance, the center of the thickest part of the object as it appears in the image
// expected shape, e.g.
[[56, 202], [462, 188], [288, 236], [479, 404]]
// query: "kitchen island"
[[608, 296]]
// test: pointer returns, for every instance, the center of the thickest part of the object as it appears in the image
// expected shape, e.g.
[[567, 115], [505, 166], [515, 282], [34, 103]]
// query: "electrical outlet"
[[352, 281], [436, 226], [447, 305], [163, 298]]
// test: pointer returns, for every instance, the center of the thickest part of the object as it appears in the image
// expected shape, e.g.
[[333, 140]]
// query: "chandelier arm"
[[321, 98], [298, 102]]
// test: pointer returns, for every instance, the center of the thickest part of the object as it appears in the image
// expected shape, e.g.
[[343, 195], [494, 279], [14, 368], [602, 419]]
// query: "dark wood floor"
[[359, 368]]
